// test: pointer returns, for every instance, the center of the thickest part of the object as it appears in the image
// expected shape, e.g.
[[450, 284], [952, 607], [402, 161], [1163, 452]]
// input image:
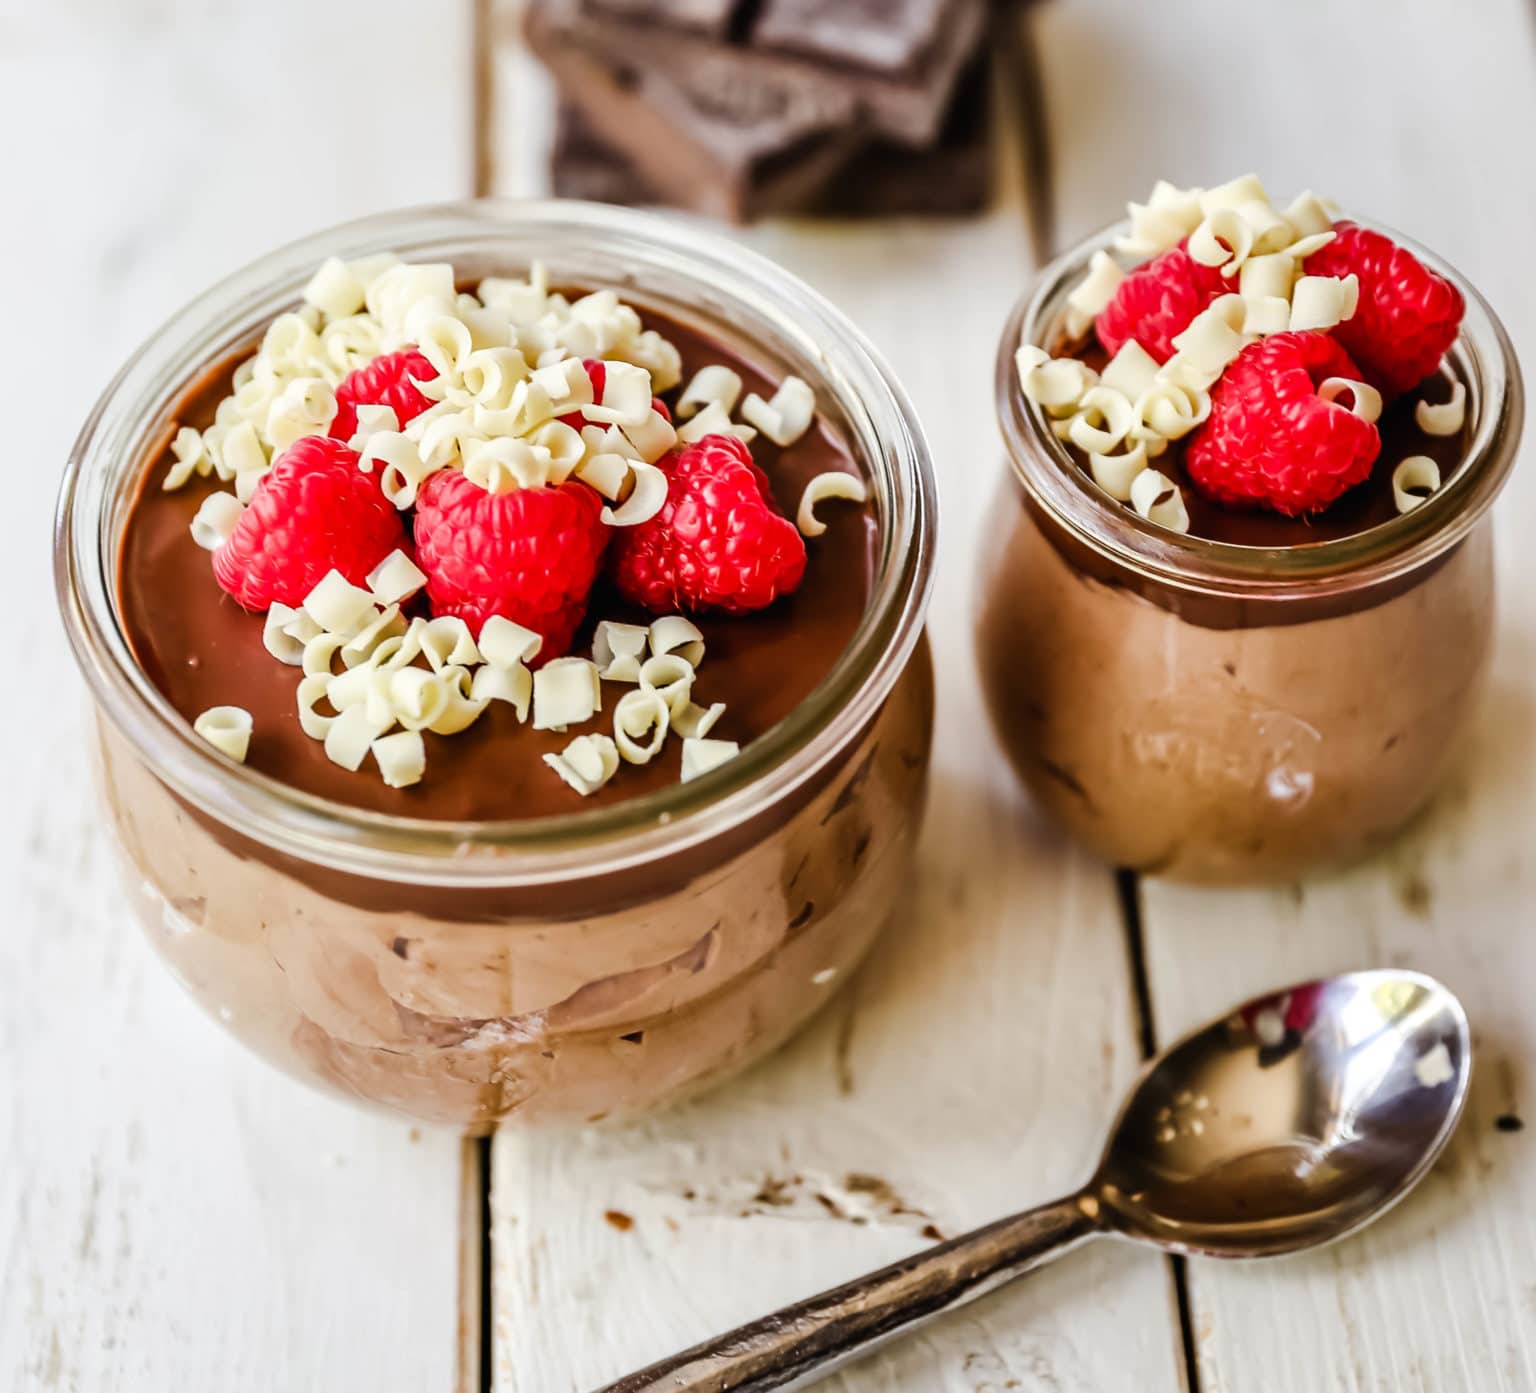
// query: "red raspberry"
[[1408, 315], [315, 511], [530, 555], [1156, 301], [719, 541], [386, 381], [1271, 440]]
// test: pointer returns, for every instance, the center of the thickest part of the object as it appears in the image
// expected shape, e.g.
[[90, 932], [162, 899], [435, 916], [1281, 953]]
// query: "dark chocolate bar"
[[894, 62]]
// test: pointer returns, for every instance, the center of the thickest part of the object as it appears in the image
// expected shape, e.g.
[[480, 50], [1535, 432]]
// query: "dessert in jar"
[[1238, 600], [505, 625]]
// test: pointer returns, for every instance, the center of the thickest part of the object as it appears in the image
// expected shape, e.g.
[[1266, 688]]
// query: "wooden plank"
[[966, 1072], [173, 1214], [1398, 112]]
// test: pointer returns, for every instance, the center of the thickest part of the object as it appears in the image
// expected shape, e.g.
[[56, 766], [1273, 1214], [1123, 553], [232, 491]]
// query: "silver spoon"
[[1288, 1123]]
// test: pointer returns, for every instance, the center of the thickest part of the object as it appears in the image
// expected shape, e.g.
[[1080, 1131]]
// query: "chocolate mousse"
[[204, 651], [1238, 601]]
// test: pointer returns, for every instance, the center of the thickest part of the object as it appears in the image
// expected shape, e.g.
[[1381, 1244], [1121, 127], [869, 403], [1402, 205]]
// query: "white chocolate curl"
[[504, 644], [1057, 384], [513, 685], [715, 383], [566, 692], [227, 729], [587, 763], [647, 497], [1320, 302], [401, 757], [283, 645], [1131, 371], [694, 722], [338, 606], [395, 578], [214, 522], [1109, 407], [1214, 336], [1223, 239], [1413, 481], [641, 715], [700, 756], [1097, 288], [1157, 498], [677, 636], [1365, 400], [787, 415], [833, 484], [1116, 473], [670, 675], [618, 650], [1446, 418]]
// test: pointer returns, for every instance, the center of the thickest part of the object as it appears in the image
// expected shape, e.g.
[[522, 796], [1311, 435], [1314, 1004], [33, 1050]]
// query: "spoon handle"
[[800, 1344]]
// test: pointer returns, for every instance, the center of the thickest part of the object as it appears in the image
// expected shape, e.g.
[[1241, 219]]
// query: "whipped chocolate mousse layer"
[[201, 649], [1367, 505]]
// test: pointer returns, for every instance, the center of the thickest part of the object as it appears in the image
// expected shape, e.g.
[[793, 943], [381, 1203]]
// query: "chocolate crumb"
[[635, 1037], [547, 1054], [933, 1233], [1508, 1122], [804, 916], [1230, 668], [860, 847], [401, 947], [619, 1220]]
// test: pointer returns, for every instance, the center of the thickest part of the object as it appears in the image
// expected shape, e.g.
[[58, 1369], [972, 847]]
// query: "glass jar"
[[1217, 712], [594, 964]]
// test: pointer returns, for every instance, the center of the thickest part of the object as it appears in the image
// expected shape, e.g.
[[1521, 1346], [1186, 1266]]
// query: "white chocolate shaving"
[[675, 635], [693, 722], [652, 438], [641, 714], [1116, 473], [1413, 481], [318, 653], [352, 732], [1057, 384], [1365, 400], [1214, 337], [338, 606], [1157, 498], [1268, 314], [700, 756], [505, 644], [566, 692], [1268, 276], [447, 641], [513, 685], [395, 578], [463, 709], [715, 383], [626, 396], [669, 674], [1224, 239], [1444, 418], [215, 520], [587, 763], [1307, 215], [646, 498], [1246, 188], [401, 757], [191, 458], [1169, 215], [1320, 302], [1115, 415], [361, 646], [227, 729], [788, 415], [1097, 287], [833, 484], [312, 690], [334, 290], [618, 650], [711, 420], [1131, 371], [418, 698], [285, 646]]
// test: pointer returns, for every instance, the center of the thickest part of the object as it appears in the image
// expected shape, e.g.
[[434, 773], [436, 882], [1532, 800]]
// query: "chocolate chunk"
[[699, 140], [900, 83]]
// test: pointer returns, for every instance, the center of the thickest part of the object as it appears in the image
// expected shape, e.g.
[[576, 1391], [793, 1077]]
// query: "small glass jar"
[[1216, 712], [595, 964]]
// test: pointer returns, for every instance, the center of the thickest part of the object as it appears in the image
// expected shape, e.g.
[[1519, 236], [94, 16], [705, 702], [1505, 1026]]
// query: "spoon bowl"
[[1293, 1121], [1287, 1123]]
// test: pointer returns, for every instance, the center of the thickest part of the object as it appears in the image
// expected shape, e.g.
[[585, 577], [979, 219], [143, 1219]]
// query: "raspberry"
[[530, 555], [386, 381], [1156, 301], [315, 511], [1271, 440], [1408, 315], [719, 541]]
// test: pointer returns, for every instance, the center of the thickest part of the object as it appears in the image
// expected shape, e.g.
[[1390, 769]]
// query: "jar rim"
[[1485, 361], [884, 435]]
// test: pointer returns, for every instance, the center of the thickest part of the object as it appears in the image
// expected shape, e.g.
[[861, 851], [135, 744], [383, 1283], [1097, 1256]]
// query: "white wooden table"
[[174, 1215]]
